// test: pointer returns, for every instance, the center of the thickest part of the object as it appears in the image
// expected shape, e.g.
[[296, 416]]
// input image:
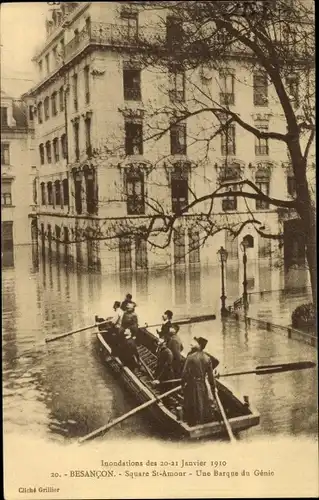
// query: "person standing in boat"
[[129, 353], [198, 366], [118, 315], [129, 319], [167, 323], [174, 343], [127, 300], [164, 369]]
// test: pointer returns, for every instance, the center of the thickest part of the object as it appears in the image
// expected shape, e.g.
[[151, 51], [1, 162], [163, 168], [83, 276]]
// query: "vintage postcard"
[[158, 243]]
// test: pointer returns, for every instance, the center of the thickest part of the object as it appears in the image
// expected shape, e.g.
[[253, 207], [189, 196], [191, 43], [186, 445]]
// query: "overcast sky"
[[22, 30]]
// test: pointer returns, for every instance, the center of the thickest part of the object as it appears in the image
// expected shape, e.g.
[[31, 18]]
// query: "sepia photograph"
[[158, 249]]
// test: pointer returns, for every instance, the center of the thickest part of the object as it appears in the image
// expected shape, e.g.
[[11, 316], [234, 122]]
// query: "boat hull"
[[240, 415]]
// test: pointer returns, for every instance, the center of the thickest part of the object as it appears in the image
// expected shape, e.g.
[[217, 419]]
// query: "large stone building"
[[106, 169], [18, 173]]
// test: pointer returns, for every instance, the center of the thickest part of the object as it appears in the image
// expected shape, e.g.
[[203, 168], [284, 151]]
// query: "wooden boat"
[[167, 413]]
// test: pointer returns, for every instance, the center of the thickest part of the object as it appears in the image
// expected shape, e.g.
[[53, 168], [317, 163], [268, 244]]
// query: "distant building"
[[18, 172], [98, 174]]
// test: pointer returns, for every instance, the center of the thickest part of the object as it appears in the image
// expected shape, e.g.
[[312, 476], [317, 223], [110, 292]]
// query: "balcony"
[[132, 94], [112, 34]]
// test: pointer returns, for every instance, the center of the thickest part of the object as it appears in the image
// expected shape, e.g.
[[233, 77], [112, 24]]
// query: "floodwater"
[[61, 390]]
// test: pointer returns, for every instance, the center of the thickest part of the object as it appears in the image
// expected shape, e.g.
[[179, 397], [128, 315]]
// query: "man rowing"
[[198, 366]]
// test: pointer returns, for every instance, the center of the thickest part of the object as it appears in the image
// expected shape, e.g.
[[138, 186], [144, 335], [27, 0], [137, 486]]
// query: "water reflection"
[[64, 388]]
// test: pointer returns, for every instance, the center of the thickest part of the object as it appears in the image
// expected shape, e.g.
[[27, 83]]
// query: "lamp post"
[[243, 246], [223, 254]]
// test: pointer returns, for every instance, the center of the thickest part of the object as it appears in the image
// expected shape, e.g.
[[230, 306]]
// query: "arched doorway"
[[294, 243]]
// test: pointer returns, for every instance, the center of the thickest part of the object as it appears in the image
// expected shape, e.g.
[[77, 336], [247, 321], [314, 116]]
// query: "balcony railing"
[[132, 94], [112, 34]]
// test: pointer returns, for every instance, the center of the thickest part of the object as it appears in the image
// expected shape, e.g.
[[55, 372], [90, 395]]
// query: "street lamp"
[[243, 246], [223, 254]]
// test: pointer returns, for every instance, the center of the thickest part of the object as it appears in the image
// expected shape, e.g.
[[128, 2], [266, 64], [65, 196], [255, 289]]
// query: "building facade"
[[110, 165], [18, 173]]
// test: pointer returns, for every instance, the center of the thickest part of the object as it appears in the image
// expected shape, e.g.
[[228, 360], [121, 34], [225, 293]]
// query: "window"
[[40, 66], [174, 32], [87, 84], [227, 93], [231, 245], [65, 186], [263, 183], [179, 188], [35, 192], [43, 200], [260, 83], [88, 137], [4, 116], [61, 99], [264, 248], [64, 146], [178, 139], [78, 192], [228, 140], [40, 112], [291, 184], [133, 138], [54, 107], [50, 193], [135, 193], [292, 84], [229, 202], [57, 188], [125, 251], [132, 84], [261, 144], [75, 91], [91, 201], [56, 153], [46, 108], [62, 47], [140, 253], [41, 152], [48, 151], [31, 113], [194, 246], [179, 246], [5, 154], [54, 53], [47, 63], [6, 196], [176, 85], [130, 20], [76, 127]]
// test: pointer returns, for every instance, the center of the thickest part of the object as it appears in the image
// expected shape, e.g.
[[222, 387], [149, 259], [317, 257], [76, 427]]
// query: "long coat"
[[129, 354], [197, 408], [164, 370], [175, 345]]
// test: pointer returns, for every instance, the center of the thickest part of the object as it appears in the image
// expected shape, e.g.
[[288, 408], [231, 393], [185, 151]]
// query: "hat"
[[201, 341], [169, 314]]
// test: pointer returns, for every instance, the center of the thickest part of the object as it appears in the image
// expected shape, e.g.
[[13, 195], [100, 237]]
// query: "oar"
[[62, 335], [108, 426], [260, 370], [223, 414], [195, 319]]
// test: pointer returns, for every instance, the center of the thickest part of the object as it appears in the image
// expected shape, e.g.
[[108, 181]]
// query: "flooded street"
[[61, 390]]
